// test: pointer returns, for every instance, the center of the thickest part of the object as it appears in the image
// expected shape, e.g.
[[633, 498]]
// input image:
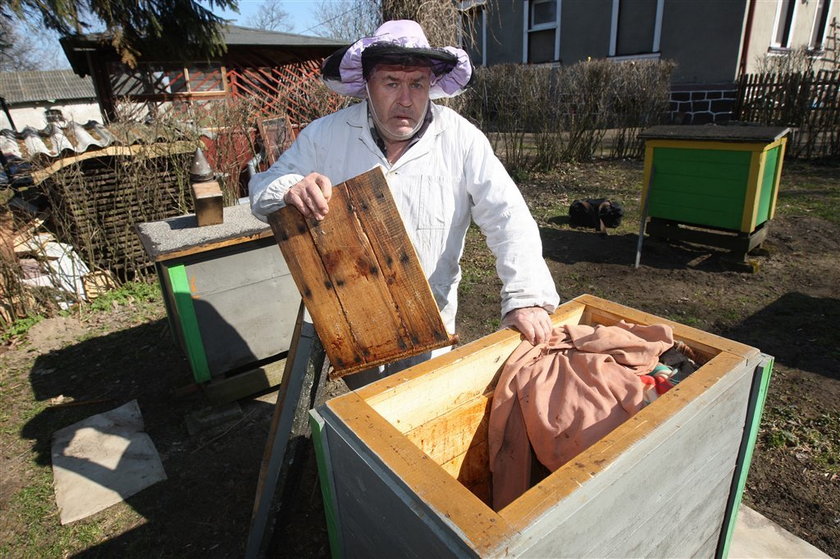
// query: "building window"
[[785, 12], [473, 30], [636, 28], [820, 27], [151, 80], [541, 36], [54, 115], [543, 14]]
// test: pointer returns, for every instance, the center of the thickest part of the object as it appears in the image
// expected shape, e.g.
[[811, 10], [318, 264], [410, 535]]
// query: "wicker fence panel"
[[96, 203]]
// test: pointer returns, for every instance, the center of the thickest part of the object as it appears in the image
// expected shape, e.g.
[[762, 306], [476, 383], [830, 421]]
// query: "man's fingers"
[[311, 196], [325, 186], [532, 322]]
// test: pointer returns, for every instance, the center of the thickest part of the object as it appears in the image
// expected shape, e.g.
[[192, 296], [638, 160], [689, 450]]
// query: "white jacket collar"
[[357, 119]]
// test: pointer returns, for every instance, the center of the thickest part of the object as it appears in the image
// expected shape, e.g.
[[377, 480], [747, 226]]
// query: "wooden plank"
[[355, 276], [147, 150], [196, 249], [413, 299], [364, 288], [287, 438], [292, 234], [450, 436], [221, 391], [326, 480], [606, 312], [758, 395]]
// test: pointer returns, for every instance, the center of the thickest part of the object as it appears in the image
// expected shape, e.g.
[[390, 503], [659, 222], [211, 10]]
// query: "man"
[[441, 170]]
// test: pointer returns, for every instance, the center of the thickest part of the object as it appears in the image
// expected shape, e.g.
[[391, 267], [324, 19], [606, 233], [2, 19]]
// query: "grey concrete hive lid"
[[739, 132]]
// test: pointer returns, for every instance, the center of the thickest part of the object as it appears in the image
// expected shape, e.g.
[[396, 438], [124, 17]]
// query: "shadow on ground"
[[580, 245], [799, 330], [203, 509]]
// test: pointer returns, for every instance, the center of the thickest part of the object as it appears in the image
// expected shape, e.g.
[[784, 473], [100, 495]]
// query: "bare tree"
[[15, 52], [185, 27], [351, 19], [440, 19], [347, 19], [27, 46], [271, 17]]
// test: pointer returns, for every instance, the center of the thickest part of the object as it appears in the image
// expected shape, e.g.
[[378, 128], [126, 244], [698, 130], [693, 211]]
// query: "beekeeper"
[[441, 169]]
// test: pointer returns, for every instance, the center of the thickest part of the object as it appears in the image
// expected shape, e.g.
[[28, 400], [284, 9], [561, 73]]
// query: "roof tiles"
[[47, 85]]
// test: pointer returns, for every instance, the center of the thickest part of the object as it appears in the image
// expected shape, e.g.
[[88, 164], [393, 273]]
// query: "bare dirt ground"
[[69, 368]]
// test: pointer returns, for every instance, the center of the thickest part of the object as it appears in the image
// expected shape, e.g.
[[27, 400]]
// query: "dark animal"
[[599, 214]]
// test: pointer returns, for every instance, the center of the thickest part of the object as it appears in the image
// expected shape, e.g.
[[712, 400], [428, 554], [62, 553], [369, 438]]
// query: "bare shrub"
[[537, 116]]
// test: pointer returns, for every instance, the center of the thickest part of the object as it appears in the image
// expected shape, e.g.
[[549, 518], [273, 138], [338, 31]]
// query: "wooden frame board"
[[276, 134], [359, 277]]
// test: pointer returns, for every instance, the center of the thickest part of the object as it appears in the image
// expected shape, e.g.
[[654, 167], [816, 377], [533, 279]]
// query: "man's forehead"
[[402, 71]]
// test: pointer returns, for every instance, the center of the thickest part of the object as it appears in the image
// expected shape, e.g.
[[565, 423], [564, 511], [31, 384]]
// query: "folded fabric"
[[564, 395]]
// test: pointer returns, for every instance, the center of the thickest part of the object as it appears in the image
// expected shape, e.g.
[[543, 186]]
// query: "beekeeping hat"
[[397, 42]]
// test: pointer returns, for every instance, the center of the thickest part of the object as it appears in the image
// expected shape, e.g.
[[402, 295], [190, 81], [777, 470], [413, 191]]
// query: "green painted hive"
[[721, 177]]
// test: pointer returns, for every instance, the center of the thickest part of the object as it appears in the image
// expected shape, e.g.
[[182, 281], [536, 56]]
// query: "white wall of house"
[[34, 114], [767, 41]]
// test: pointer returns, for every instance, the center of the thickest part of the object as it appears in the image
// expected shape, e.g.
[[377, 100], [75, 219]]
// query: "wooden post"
[[302, 388]]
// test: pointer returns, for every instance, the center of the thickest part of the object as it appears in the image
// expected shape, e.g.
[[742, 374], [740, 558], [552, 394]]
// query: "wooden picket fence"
[[808, 102]]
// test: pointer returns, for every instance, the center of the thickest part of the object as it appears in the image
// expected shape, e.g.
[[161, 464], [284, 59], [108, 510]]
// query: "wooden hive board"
[[359, 277]]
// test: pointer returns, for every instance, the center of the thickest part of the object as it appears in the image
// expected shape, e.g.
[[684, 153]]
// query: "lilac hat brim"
[[343, 70]]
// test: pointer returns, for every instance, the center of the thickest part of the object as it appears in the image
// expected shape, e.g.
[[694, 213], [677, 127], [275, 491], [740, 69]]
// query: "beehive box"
[[404, 461], [721, 177]]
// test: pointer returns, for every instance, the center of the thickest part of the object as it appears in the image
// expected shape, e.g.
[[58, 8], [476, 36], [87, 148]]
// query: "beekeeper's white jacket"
[[450, 173]]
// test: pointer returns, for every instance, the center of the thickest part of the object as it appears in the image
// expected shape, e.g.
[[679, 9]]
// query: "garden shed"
[[275, 72]]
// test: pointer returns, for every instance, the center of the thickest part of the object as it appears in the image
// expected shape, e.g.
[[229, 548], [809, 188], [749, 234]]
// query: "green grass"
[[126, 294], [20, 327], [145, 295], [816, 440], [34, 505], [809, 190]]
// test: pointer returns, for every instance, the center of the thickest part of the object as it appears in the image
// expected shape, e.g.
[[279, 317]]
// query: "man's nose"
[[404, 97]]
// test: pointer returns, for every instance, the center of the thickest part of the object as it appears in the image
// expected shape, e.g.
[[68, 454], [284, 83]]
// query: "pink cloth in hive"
[[564, 395]]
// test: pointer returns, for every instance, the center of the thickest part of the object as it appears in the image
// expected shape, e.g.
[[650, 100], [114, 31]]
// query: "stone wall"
[[702, 103]]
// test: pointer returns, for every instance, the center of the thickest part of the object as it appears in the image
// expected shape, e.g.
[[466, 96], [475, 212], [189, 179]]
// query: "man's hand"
[[532, 322], [311, 196]]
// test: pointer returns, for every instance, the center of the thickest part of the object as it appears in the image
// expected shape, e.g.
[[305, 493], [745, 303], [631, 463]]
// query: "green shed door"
[[700, 186]]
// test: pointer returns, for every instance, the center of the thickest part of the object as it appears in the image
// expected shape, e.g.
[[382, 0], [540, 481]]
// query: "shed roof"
[[45, 85], [76, 47], [236, 35]]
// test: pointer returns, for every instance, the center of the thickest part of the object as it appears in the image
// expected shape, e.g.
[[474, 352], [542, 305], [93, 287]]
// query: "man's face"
[[399, 96]]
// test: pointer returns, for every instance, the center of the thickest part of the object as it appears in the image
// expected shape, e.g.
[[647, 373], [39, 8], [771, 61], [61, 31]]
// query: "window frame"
[[821, 19], [527, 28], [465, 6], [792, 9], [656, 40], [167, 74]]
